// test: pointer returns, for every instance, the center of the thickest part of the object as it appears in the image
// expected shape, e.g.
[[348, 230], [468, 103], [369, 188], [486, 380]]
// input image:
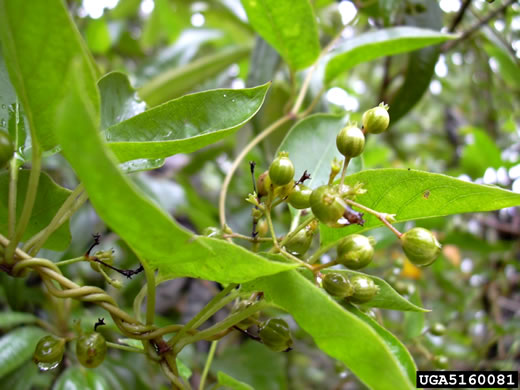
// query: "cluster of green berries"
[[357, 289]]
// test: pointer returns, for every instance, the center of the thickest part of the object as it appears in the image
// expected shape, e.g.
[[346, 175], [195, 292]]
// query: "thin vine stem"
[[70, 261], [320, 252], [381, 216], [123, 347], [295, 231], [209, 360], [344, 170], [150, 293]]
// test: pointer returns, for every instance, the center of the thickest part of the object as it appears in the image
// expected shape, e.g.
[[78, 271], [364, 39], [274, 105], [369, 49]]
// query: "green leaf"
[[311, 144], [27, 377], [9, 319], [376, 44], [399, 351], [151, 233], [18, 346], [228, 382], [387, 297], [336, 331], [141, 164], [78, 378], [49, 199], [119, 101], [289, 26], [184, 370], [480, 153], [39, 41], [412, 194], [185, 124], [97, 36], [508, 67], [178, 81], [414, 322]]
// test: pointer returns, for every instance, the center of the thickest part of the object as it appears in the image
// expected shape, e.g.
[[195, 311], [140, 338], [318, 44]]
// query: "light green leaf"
[[18, 346], [398, 349], [9, 319], [387, 297], [39, 41], [184, 370], [414, 322], [178, 81], [289, 26], [336, 331], [228, 382], [311, 144], [185, 124], [49, 199], [97, 35], [480, 153], [158, 240], [141, 164], [376, 44], [508, 67], [132, 342], [78, 378], [412, 194]]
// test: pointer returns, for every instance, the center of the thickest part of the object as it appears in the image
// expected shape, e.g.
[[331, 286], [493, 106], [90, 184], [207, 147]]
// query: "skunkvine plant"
[[60, 102]]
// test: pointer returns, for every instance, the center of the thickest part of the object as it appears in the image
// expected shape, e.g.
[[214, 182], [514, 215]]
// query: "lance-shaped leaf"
[[39, 42], [155, 237], [336, 331], [289, 26], [18, 346], [185, 124], [76, 378], [411, 194], [386, 42]]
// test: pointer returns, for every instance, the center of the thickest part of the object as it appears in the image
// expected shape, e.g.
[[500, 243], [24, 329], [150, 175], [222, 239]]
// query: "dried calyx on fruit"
[[91, 349], [350, 141], [106, 256], [49, 352], [376, 120], [263, 184], [421, 246], [276, 335], [355, 251], [327, 205], [299, 244], [364, 289], [281, 171], [337, 285]]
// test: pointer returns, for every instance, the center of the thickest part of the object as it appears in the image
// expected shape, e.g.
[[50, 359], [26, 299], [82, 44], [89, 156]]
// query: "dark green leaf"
[[185, 124], [27, 377], [9, 319], [227, 382], [49, 199], [148, 230], [178, 81], [412, 194], [335, 330], [39, 42], [387, 297], [289, 26], [376, 44], [18, 346], [78, 378]]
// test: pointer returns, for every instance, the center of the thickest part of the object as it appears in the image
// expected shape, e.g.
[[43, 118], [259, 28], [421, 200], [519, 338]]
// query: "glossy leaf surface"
[[77, 378], [18, 346]]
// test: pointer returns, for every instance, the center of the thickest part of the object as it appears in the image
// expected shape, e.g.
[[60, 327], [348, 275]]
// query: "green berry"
[[421, 246], [437, 329], [355, 251], [49, 351], [327, 206], [276, 335], [6, 148], [376, 120], [350, 141], [91, 349], [301, 242], [364, 289], [300, 197], [281, 170], [337, 285], [440, 361], [263, 184]]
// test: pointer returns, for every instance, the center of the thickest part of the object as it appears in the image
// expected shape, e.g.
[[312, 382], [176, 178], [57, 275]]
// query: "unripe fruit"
[[248, 322], [300, 243], [276, 335], [440, 361], [49, 352], [421, 246], [337, 285], [105, 256], [376, 120], [6, 148], [327, 205], [281, 170], [350, 141], [91, 349], [437, 329], [263, 184], [300, 197], [355, 251], [364, 289]]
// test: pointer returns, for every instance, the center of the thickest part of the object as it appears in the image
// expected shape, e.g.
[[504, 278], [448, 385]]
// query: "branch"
[[460, 15]]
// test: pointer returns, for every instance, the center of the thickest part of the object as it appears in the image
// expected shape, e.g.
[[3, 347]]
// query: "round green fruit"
[[91, 349], [421, 246], [327, 206], [300, 197], [440, 361], [437, 329], [49, 350], [301, 242], [355, 251], [364, 289], [337, 285], [376, 120], [350, 141], [263, 184], [276, 335], [281, 170], [6, 148]]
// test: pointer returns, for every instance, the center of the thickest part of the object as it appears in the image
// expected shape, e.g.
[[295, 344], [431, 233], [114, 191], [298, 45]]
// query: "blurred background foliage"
[[455, 110]]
